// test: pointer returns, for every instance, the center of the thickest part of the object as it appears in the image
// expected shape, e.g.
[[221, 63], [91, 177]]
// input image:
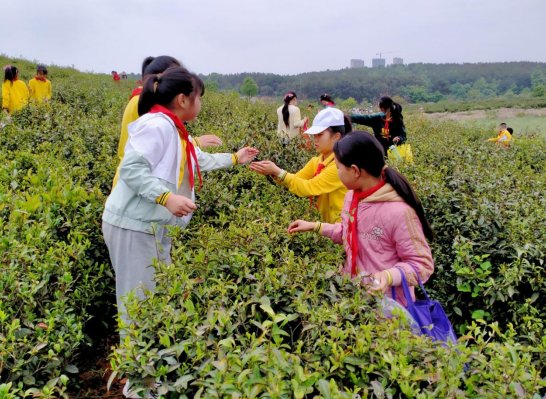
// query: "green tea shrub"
[[246, 310], [488, 212]]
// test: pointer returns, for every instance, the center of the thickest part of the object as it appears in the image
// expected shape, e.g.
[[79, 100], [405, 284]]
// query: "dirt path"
[[499, 114]]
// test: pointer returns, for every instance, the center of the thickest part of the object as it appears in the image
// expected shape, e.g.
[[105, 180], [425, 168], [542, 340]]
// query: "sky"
[[283, 37]]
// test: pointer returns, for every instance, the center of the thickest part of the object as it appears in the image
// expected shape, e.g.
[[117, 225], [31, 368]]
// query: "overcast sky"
[[285, 37]]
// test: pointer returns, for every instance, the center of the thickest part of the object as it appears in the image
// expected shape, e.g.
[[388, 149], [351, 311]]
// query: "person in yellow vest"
[[503, 138], [14, 91], [319, 177], [153, 66], [40, 86]]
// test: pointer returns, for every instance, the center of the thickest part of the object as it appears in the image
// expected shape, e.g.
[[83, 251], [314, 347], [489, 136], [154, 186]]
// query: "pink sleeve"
[[333, 231], [412, 249]]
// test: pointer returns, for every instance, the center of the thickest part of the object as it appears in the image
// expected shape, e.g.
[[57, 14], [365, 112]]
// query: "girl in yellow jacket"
[[319, 178], [153, 66], [40, 86], [14, 91]]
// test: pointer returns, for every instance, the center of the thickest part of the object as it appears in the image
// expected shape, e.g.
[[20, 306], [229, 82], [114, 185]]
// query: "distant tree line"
[[415, 82]]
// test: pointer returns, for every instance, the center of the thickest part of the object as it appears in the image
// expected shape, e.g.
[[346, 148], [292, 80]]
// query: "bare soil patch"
[[499, 114]]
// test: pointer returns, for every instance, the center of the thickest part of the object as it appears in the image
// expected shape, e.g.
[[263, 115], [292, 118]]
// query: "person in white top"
[[290, 120]]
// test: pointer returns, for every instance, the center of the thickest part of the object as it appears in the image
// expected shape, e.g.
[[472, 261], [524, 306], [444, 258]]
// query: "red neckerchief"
[[183, 133], [40, 78], [385, 132], [136, 92], [320, 168], [352, 234]]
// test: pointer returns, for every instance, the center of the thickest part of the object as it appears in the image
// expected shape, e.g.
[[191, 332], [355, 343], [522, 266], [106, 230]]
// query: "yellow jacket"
[[14, 95], [326, 186], [504, 137], [40, 91]]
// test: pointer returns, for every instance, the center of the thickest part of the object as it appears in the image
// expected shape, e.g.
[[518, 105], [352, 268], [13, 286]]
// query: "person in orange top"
[[40, 86], [14, 91]]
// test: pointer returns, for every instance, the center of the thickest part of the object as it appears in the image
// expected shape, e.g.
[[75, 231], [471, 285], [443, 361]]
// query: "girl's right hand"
[[209, 140], [179, 205], [301, 225]]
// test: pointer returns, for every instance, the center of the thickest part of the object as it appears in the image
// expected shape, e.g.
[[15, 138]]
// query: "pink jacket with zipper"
[[390, 235]]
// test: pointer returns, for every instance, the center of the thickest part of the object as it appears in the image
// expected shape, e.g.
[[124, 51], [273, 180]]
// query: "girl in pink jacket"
[[383, 226]]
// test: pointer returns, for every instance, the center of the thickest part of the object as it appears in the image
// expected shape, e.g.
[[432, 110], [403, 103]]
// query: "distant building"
[[357, 63], [378, 62], [397, 61]]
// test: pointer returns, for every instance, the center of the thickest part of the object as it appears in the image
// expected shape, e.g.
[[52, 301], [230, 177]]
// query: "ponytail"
[[404, 190], [387, 103], [10, 73], [285, 112], [364, 150], [163, 88]]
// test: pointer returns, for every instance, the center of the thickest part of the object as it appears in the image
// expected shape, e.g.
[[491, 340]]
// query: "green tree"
[[249, 87], [538, 83]]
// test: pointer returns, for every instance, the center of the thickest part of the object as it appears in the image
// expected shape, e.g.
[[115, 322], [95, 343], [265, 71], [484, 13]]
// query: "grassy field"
[[525, 122]]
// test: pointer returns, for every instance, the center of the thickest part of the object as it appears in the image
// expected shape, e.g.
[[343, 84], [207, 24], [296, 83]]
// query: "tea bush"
[[246, 310]]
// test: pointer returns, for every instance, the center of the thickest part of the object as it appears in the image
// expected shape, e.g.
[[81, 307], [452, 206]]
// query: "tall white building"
[[378, 62], [357, 63]]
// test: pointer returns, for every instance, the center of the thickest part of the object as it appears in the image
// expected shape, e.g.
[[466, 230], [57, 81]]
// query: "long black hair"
[[285, 113], [387, 103], [365, 151], [163, 88], [10, 73]]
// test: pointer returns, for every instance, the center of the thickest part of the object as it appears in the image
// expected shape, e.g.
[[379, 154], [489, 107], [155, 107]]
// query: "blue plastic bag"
[[428, 314]]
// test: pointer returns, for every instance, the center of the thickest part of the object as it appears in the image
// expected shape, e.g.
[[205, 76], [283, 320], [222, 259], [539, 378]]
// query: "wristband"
[[197, 143], [318, 227], [282, 174], [162, 199], [389, 277], [235, 158]]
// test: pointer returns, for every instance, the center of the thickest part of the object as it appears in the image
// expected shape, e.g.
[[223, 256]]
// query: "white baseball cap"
[[326, 118]]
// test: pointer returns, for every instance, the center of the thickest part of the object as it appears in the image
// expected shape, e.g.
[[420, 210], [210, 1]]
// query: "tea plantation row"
[[246, 310]]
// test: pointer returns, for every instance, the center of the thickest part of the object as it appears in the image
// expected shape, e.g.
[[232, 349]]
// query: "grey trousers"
[[132, 254]]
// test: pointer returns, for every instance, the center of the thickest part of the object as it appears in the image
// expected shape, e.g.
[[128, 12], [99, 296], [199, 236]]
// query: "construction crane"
[[386, 52]]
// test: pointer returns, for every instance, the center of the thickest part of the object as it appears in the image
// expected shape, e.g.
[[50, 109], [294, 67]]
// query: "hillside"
[[415, 82]]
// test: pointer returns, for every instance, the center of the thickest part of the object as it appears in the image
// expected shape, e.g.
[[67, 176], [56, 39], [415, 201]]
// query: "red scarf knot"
[[40, 78], [184, 136], [352, 233], [386, 131]]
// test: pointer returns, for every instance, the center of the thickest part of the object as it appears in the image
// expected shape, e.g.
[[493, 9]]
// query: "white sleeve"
[[208, 162]]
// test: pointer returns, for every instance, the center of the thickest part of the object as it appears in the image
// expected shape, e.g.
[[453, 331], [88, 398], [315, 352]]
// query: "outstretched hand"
[[247, 154], [300, 225], [209, 140], [266, 168]]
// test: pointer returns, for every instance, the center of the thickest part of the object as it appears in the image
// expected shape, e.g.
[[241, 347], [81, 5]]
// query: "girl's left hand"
[[396, 140], [247, 154], [265, 168]]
